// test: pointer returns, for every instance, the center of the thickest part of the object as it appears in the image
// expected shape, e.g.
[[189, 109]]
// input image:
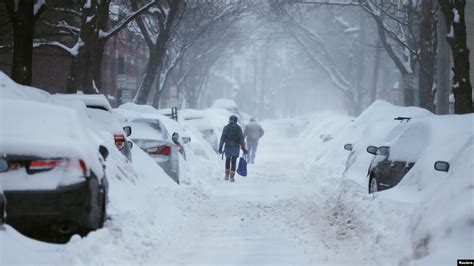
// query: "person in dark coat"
[[232, 140], [253, 132]]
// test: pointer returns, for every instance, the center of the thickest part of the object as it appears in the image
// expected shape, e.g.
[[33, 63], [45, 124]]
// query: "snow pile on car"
[[196, 169], [428, 217], [144, 202]]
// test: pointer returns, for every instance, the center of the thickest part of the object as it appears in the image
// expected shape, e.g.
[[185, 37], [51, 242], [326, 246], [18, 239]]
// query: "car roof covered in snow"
[[96, 101], [419, 133], [41, 129], [142, 108], [148, 129]]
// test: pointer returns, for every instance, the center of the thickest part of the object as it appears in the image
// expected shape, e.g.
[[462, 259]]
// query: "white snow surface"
[[304, 202]]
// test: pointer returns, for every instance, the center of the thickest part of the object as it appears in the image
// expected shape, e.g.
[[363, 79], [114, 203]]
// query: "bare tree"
[[443, 68], [165, 19], [195, 27], [90, 28], [23, 16]]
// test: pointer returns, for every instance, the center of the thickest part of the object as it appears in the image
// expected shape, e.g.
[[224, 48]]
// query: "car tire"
[[373, 185]]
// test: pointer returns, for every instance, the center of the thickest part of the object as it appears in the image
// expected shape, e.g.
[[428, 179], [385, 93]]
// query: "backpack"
[[233, 135]]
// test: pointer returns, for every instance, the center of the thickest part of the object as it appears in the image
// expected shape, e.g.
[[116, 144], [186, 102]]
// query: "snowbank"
[[145, 205]]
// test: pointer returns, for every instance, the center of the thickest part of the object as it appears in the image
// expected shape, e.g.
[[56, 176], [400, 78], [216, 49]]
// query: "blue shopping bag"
[[242, 168]]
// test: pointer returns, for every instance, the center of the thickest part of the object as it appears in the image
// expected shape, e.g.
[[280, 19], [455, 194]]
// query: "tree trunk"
[[157, 57], [406, 87], [85, 72], [361, 92], [443, 69], [375, 75], [23, 21], [456, 26], [426, 57]]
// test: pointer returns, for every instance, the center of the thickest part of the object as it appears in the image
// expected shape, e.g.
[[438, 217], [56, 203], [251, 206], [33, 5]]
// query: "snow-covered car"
[[52, 174], [407, 143], [151, 135], [385, 173], [226, 104], [173, 126], [230, 106], [100, 112], [130, 111], [197, 119]]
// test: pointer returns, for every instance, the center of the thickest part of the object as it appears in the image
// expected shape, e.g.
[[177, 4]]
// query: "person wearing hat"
[[253, 132], [232, 140]]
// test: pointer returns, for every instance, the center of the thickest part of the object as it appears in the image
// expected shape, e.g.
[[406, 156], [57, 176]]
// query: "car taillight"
[[79, 164], [161, 150], [84, 168], [44, 165], [119, 141]]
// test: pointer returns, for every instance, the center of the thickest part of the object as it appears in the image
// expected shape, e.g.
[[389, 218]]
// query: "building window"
[[121, 66]]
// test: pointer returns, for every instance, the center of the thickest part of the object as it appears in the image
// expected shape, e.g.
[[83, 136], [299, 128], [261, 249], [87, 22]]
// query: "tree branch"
[[125, 21]]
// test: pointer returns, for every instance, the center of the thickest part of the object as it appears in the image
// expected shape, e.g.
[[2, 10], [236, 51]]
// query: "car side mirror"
[[348, 147], [130, 144], [104, 152], [3, 166], [441, 166], [175, 137], [372, 150], [128, 130]]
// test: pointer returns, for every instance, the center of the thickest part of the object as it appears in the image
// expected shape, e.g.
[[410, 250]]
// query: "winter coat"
[[253, 132], [232, 139]]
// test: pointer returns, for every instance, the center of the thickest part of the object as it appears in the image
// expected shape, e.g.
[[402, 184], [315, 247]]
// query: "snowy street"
[[212, 132], [272, 216], [262, 218], [275, 215]]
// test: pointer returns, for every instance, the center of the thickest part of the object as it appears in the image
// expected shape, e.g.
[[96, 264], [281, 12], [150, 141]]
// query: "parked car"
[[197, 119], [385, 173], [227, 104], [100, 112], [407, 142], [151, 135], [180, 137], [52, 169]]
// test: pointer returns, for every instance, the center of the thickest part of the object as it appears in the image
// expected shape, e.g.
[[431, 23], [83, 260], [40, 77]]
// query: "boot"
[[227, 173], [232, 174]]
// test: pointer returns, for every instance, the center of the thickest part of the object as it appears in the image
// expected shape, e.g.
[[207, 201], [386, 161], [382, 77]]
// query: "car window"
[[98, 107], [154, 124]]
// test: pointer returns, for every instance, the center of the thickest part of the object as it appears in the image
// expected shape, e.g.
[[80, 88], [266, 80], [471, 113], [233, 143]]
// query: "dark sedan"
[[384, 173], [52, 171]]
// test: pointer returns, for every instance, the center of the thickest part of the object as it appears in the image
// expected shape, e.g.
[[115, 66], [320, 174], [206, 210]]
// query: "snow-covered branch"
[[125, 21], [73, 51], [63, 25]]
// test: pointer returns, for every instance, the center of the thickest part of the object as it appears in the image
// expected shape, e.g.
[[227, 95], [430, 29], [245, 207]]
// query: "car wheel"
[[373, 185]]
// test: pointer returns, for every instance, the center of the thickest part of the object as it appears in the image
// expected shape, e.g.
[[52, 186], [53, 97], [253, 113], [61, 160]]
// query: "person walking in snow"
[[253, 132], [232, 140]]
